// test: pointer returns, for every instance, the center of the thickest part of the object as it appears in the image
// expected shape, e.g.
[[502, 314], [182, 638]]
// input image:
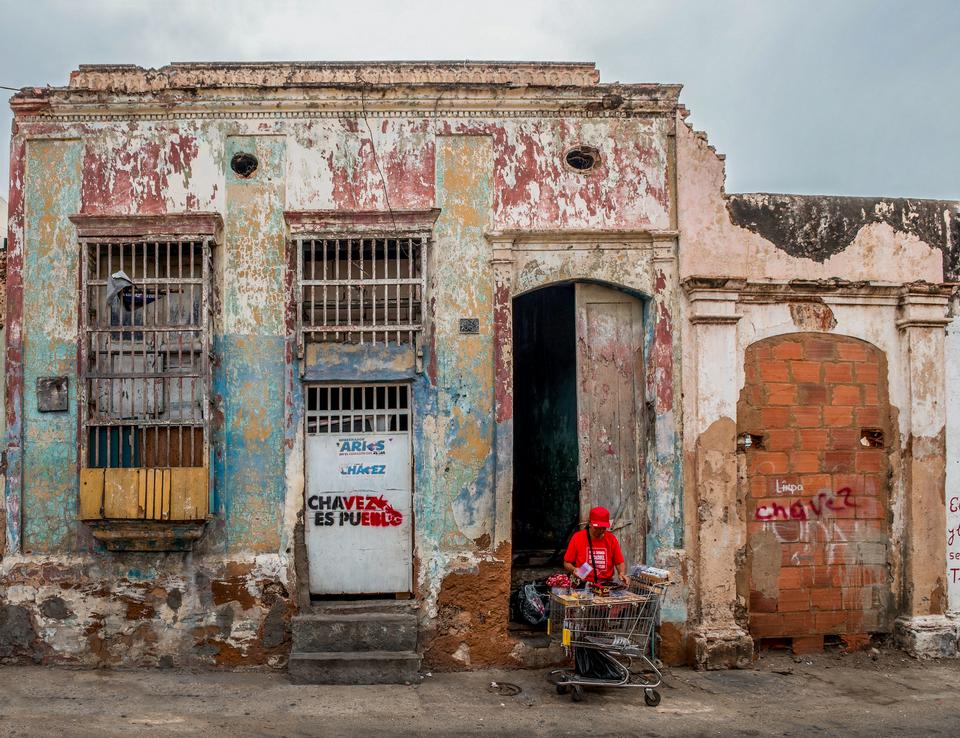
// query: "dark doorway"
[[546, 497]]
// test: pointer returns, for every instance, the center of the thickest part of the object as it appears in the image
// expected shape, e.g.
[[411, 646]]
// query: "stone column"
[[924, 630], [720, 532], [502, 263], [664, 542]]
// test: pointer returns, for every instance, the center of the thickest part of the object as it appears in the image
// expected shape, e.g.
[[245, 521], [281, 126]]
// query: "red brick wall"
[[817, 499]]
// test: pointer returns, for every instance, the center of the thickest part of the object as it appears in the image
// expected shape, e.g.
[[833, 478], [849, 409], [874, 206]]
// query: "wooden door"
[[609, 411]]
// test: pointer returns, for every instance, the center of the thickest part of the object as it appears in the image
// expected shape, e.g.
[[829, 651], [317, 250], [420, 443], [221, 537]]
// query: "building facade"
[[287, 333]]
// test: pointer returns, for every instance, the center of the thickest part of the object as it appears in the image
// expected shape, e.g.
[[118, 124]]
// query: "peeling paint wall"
[[759, 266], [50, 329], [763, 236], [486, 168], [485, 145], [145, 611], [952, 496]]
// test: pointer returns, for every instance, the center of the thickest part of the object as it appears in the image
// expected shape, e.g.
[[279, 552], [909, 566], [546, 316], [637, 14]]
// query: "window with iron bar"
[[368, 408], [145, 353], [361, 290]]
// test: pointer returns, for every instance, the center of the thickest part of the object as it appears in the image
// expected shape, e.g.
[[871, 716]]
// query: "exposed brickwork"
[[818, 498]]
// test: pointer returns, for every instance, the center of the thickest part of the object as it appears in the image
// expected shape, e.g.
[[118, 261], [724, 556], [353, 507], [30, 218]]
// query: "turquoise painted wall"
[[249, 379], [50, 264]]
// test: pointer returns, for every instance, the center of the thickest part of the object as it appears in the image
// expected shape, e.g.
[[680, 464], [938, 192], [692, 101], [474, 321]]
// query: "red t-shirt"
[[606, 551]]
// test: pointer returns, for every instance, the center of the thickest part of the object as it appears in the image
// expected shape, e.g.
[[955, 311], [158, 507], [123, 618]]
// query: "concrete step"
[[354, 631], [358, 667], [345, 607]]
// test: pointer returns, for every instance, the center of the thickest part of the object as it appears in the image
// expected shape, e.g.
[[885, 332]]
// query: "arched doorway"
[[578, 420]]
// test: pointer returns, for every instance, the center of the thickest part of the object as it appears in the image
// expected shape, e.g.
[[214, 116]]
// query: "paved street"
[[830, 695]]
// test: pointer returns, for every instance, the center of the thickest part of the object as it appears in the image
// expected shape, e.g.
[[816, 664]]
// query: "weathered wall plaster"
[[513, 217], [761, 236], [50, 344], [952, 497]]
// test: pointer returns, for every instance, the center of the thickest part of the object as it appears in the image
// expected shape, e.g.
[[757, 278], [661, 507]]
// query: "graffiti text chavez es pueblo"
[[364, 510]]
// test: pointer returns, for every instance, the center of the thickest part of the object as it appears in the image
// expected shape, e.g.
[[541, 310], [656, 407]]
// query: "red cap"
[[600, 517]]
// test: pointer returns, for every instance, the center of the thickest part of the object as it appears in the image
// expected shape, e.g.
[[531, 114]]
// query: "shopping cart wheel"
[[651, 697], [576, 693], [562, 688]]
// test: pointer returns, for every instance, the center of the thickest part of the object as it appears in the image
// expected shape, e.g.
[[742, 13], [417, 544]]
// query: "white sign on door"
[[358, 510]]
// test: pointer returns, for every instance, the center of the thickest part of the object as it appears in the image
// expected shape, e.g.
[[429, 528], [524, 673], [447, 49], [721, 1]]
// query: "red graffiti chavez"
[[362, 510], [818, 505]]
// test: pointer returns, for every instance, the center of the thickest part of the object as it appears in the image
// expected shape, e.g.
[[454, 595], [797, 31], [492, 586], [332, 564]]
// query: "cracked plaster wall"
[[67, 598], [814, 241]]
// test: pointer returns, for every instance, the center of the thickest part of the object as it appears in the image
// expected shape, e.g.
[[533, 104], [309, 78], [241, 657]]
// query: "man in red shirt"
[[597, 547]]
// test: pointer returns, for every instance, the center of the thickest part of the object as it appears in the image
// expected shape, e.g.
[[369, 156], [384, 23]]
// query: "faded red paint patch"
[[663, 359], [13, 310], [502, 351], [661, 354], [402, 176], [135, 177], [534, 188]]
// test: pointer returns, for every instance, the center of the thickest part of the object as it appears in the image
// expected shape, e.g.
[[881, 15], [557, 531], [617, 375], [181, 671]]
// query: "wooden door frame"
[[643, 263]]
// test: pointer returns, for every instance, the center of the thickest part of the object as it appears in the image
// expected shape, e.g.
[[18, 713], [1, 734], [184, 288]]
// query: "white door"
[[358, 489]]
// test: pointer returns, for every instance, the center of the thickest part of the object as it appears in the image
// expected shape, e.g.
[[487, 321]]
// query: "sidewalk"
[[830, 695]]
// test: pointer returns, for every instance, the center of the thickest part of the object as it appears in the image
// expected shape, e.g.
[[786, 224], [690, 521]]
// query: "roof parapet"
[[126, 78]]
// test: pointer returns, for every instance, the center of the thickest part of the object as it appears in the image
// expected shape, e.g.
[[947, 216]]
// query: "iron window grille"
[[361, 290], [144, 353], [368, 408]]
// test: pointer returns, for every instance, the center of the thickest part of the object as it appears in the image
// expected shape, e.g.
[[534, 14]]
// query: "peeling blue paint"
[[50, 481], [251, 487], [360, 363]]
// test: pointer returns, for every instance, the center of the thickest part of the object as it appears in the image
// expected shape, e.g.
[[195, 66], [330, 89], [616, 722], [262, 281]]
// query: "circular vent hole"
[[583, 158], [244, 164]]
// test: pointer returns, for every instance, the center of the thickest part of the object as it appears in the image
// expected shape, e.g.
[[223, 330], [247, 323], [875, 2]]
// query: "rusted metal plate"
[[359, 489], [91, 493], [52, 394], [358, 513], [609, 410]]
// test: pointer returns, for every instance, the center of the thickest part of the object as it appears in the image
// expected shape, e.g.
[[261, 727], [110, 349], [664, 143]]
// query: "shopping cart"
[[611, 635]]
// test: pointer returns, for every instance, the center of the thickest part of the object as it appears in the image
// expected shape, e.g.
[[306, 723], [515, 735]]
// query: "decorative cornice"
[[800, 290], [190, 75], [246, 110], [715, 319], [593, 238], [691, 285], [238, 92], [925, 305], [923, 323], [176, 225], [361, 222]]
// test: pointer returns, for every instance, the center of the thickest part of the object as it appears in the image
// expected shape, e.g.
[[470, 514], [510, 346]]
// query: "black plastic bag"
[[531, 605], [596, 664]]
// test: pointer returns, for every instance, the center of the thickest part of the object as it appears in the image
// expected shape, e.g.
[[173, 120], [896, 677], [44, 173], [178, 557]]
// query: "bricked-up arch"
[[818, 489]]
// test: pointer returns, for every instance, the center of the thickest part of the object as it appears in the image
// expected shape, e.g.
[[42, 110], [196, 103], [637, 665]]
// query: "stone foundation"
[[722, 649], [168, 613], [930, 637]]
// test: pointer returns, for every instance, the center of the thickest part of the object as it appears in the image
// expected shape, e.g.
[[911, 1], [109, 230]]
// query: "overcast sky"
[[849, 97]]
